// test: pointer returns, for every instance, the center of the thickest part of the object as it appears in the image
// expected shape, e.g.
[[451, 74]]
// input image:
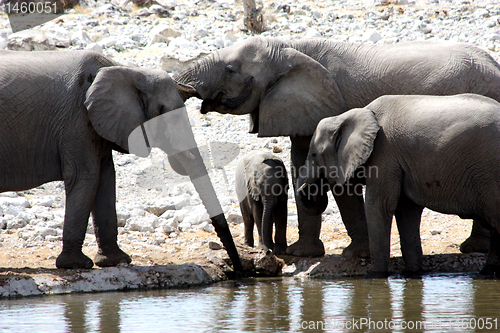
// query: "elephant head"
[[339, 146], [138, 109], [276, 84]]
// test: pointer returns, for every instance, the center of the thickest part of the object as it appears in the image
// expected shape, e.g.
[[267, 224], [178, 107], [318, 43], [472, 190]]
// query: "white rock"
[[481, 13], [182, 43], [13, 222], [42, 212], [94, 47], [3, 43], [196, 216], [157, 39], [44, 231], [142, 223], [201, 32], [53, 238], [61, 36], [30, 40], [167, 225], [180, 201], [234, 216], [493, 36], [214, 245], [426, 29], [158, 10], [46, 202], [122, 213], [312, 33], [9, 195], [80, 39], [209, 228], [107, 42], [231, 37], [372, 36], [17, 202], [165, 31], [177, 60]]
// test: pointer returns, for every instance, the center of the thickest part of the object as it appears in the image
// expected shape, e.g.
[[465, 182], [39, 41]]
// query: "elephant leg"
[[80, 193], [478, 241], [492, 266], [309, 244], [257, 212], [105, 220], [248, 221], [380, 209], [352, 210], [408, 216], [280, 221]]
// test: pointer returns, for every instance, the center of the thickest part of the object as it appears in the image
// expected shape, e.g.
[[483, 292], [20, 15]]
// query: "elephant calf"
[[440, 152], [262, 189]]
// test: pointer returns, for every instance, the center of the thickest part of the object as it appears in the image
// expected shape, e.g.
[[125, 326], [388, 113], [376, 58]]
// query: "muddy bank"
[[18, 282]]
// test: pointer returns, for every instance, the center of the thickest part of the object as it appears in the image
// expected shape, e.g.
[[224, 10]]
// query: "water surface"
[[436, 303]]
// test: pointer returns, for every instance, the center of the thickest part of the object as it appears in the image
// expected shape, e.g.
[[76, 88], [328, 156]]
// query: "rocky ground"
[[161, 217]]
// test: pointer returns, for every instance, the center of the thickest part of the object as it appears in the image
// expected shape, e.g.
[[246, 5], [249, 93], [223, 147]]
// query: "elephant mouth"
[[313, 196], [223, 104]]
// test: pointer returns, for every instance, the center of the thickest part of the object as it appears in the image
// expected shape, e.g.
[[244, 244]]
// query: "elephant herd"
[[418, 123]]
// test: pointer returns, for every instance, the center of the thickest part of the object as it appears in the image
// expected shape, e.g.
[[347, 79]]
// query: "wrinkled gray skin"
[[439, 152], [287, 87], [262, 189], [61, 114]]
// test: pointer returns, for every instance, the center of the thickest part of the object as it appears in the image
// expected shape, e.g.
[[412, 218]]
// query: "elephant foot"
[[412, 274], [279, 250], [112, 259], [303, 248], [73, 260], [357, 250], [476, 243], [376, 275], [491, 270]]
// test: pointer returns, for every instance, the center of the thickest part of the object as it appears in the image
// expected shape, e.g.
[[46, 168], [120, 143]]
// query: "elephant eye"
[[230, 70], [161, 109]]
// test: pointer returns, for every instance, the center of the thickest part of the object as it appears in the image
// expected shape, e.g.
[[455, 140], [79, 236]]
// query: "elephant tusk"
[[185, 87], [302, 187], [188, 154]]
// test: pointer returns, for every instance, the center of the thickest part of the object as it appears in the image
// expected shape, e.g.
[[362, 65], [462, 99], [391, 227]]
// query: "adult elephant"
[[287, 87], [439, 152], [61, 114]]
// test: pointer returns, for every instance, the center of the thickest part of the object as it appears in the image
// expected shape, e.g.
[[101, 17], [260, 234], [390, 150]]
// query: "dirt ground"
[[439, 234]]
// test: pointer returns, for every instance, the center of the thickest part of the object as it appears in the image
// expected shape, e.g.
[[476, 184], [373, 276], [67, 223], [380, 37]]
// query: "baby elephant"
[[262, 190], [440, 152]]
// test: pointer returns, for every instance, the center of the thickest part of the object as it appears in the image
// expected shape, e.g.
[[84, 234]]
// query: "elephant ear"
[[353, 141], [304, 93], [116, 105]]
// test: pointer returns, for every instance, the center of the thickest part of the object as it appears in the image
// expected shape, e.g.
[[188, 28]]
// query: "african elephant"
[[439, 152], [287, 87], [262, 189], [61, 115]]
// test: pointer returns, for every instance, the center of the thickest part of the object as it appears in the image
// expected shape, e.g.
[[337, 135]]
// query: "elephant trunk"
[[267, 227], [312, 190], [202, 75], [193, 163]]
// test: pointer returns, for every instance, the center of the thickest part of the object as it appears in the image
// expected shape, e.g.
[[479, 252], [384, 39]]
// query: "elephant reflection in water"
[[266, 306]]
